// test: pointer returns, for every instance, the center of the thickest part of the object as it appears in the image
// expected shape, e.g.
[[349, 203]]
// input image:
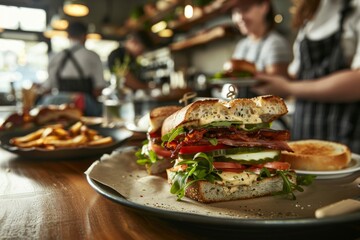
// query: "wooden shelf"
[[156, 16], [203, 37], [208, 12]]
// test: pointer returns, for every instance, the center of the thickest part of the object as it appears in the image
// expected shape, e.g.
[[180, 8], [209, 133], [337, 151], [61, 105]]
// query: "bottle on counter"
[[118, 105]]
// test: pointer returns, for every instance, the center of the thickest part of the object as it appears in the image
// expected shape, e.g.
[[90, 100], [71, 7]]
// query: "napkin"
[[120, 172]]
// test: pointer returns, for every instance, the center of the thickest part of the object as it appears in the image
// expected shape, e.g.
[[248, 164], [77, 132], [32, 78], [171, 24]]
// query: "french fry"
[[101, 141], [28, 137], [72, 142], [55, 136], [75, 129], [61, 132], [34, 143], [47, 131]]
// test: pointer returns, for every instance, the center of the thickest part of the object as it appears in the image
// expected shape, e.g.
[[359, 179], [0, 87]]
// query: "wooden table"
[[51, 199]]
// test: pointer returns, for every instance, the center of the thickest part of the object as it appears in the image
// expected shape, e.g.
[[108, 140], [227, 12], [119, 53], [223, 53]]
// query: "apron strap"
[[69, 56]]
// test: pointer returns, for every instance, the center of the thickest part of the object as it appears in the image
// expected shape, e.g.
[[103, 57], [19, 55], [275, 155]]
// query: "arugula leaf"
[[289, 187], [305, 180], [239, 125], [213, 141], [220, 124], [264, 173], [145, 156], [200, 168], [252, 127], [173, 134]]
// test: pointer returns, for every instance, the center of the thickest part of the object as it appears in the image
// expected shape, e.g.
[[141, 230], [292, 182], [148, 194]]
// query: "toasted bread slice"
[[206, 192], [317, 155], [158, 115], [261, 109]]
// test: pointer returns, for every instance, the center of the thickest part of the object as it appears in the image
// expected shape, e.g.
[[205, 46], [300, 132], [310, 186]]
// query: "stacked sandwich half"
[[227, 151]]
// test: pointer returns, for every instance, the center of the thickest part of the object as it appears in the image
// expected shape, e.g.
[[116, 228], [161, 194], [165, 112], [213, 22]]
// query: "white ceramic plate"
[[353, 167], [140, 124]]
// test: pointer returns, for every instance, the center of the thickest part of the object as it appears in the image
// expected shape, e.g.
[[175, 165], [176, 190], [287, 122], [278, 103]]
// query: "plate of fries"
[[57, 142]]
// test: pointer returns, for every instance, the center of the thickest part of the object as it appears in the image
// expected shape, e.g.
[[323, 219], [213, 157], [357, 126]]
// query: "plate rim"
[[212, 221], [134, 127], [354, 157]]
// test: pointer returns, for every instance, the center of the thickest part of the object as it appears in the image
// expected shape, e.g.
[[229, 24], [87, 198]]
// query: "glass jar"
[[118, 105]]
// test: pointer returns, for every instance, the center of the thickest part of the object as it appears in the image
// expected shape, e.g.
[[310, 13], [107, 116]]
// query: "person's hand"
[[271, 84]]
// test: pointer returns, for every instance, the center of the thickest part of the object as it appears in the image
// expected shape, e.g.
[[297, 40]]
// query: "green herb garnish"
[[289, 187], [213, 141], [145, 156], [200, 168], [173, 134]]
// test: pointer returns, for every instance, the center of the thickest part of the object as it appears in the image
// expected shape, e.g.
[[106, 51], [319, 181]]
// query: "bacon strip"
[[266, 138]]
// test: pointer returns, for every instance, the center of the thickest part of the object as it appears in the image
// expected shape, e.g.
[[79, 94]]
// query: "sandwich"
[[43, 115], [237, 69], [317, 155], [227, 150], [156, 158], [63, 113]]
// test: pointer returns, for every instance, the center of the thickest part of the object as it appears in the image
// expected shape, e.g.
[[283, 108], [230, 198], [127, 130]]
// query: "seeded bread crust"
[[206, 192], [248, 111], [317, 155]]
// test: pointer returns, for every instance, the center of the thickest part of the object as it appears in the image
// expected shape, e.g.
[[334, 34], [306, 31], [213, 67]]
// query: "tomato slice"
[[159, 150], [278, 165], [229, 167], [274, 165], [234, 170], [200, 148], [221, 165]]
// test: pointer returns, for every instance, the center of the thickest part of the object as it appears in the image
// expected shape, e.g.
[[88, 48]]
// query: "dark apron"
[[338, 122], [80, 84]]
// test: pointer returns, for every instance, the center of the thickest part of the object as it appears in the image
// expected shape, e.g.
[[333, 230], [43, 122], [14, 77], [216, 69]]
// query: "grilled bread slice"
[[207, 192], [317, 155], [263, 109], [158, 115]]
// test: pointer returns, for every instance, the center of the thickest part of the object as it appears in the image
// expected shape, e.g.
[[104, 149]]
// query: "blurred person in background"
[[326, 67], [125, 56], [262, 44], [77, 73]]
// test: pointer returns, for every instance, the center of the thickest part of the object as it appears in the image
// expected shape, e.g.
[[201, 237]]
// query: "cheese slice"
[[237, 179]]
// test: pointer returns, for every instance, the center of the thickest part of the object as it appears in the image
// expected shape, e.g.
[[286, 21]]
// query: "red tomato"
[[159, 150], [274, 165], [229, 167], [221, 165], [200, 148], [278, 165]]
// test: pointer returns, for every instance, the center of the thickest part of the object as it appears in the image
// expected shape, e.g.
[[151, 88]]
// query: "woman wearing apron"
[[262, 44], [327, 67]]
